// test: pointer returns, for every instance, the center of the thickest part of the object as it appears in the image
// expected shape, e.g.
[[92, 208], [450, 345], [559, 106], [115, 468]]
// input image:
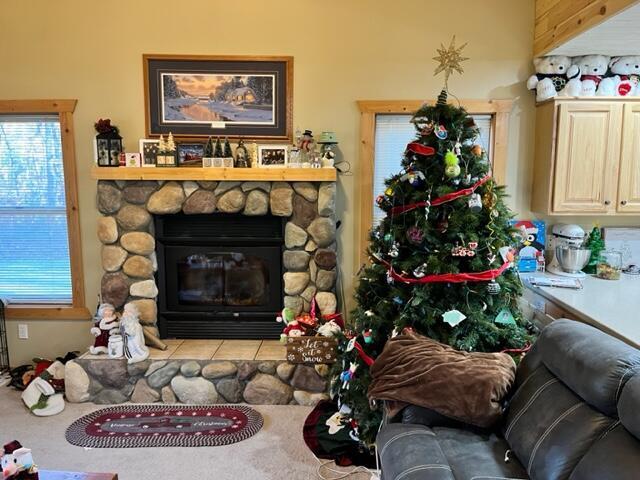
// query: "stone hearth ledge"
[[128, 243], [112, 381]]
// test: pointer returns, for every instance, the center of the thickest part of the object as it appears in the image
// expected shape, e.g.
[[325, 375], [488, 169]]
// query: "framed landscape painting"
[[195, 97]]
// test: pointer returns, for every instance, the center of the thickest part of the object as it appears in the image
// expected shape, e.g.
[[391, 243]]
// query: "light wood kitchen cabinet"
[[587, 159]]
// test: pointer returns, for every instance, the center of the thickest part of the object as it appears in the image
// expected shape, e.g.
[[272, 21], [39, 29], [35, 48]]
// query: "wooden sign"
[[311, 349]]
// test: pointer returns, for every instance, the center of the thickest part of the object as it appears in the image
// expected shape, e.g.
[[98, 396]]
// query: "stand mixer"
[[568, 257]]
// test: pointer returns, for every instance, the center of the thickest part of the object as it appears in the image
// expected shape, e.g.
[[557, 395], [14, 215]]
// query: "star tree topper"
[[449, 60]]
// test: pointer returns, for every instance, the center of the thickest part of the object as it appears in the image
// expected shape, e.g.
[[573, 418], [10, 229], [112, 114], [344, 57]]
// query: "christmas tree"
[[208, 148], [227, 149], [596, 245], [439, 259], [217, 153]]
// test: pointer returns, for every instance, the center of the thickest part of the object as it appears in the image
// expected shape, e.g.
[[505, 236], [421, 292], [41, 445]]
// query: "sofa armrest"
[[411, 452]]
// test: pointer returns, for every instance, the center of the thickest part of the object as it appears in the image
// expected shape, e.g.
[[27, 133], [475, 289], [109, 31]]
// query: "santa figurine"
[[134, 347], [17, 462], [106, 323]]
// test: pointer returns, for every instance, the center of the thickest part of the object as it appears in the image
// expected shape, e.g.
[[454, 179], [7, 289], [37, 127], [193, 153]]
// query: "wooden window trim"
[[498, 109], [77, 310]]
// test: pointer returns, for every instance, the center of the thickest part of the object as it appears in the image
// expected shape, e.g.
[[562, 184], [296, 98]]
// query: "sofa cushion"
[[549, 427], [590, 362], [478, 456], [615, 456], [411, 452], [629, 406]]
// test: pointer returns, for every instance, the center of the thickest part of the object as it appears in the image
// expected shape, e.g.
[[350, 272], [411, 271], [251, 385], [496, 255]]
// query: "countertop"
[[610, 305]]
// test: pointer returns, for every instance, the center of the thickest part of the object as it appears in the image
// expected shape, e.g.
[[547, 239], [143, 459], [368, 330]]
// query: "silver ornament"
[[475, 203], [493, 288], [420, 271], [394, 250], [389, 278]]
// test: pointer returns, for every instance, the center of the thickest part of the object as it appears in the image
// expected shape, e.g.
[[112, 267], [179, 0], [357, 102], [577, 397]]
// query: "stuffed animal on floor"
[[292, 326], [624, 75], [17, 462], [106, 323], [43, 396], [552, 74], [592, 70], [133, 336]]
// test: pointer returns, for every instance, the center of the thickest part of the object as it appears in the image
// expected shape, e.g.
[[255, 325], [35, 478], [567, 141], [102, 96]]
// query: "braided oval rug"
[[161, 425]]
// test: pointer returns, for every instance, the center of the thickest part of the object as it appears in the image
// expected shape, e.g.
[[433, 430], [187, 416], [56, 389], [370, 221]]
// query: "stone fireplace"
[[221, 279]]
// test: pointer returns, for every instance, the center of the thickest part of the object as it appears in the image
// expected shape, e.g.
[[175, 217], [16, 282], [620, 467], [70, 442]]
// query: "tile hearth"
[[215, 350]]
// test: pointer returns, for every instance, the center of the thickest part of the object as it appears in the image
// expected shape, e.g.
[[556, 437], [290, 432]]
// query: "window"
[[385, 132], [40, 258]]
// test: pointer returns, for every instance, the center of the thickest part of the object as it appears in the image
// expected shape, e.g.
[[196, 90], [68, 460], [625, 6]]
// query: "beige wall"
[[344, 50]]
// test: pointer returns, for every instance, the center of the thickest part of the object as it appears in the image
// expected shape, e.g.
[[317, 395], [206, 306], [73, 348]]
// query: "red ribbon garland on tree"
[[420, 149], [450, 277], [365, 358], [440, 200]]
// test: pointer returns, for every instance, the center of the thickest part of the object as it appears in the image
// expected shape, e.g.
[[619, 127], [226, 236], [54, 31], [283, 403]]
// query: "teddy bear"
[[592, 69], [623, 77], [552, 74]]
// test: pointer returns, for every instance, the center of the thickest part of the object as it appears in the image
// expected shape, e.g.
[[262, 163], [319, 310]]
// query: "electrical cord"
[[373, 474]]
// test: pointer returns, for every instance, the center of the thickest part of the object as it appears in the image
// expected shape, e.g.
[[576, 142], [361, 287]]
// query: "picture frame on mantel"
[[197, 96]]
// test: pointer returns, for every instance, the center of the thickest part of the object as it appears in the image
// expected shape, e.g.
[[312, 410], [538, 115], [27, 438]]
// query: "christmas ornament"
[[466, 181], [390, 278], [394, 251], [441, 132], [457, 148], [348, 375], [442, 225], [493, 288], [420, 271], [416, 178], [415, 235], [376, 234], [475, 203], [451, 158], [505, 317], [453, 317], [388, 192], [369, 313], [398, 300], [427, 128], [476, 150], [449, 60], [380, 200], [452, 171], [388, 237], [368, 336]]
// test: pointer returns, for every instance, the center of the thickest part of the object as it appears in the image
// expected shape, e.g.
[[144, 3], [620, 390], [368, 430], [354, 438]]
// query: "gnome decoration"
[[17, 462], [106, 324], [44, 395], [134, 347]]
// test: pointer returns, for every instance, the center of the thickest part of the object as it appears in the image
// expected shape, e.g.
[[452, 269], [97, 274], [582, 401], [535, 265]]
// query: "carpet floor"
[[276, 452]]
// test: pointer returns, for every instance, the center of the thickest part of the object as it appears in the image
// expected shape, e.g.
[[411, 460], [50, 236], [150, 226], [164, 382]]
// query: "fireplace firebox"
[[219, 275]]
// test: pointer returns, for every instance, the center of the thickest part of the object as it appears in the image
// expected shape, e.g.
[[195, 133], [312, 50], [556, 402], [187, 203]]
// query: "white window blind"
[[393, 133], [34, 246]]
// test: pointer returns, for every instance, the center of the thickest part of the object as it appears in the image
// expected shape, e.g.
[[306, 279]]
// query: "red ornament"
[[415, 235], [420, 149]]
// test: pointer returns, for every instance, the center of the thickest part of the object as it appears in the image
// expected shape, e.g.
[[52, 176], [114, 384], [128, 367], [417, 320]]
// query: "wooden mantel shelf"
[[217, 174]]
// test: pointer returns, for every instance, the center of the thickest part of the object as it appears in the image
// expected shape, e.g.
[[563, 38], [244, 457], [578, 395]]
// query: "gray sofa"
[[574, 413]]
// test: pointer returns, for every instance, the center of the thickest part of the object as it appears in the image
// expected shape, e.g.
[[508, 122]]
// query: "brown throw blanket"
[[461, 385]]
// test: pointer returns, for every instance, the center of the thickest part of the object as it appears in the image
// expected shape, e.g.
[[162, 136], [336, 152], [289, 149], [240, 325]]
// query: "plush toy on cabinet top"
[[625, 75], [552, 74], [592, 69]]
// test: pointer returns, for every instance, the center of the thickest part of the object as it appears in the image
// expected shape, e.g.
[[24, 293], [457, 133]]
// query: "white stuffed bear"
[[552, 73], [624, 76], [592, 69], [43, 396]]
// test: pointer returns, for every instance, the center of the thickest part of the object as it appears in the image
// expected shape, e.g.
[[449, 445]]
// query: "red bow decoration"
[[420, 149]]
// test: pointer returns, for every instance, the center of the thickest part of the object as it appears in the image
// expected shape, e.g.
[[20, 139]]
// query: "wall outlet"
[[23, 331]]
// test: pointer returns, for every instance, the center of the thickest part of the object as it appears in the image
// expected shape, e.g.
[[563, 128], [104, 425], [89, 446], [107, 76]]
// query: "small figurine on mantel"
[[242, 155], [134, 346], [106, 323]]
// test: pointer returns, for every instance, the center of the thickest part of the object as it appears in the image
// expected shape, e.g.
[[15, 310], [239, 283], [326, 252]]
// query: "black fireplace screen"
[[232, 279]]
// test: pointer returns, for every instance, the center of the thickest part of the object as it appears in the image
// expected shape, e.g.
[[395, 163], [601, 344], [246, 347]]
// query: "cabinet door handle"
[[607, 202], [623, 202]]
